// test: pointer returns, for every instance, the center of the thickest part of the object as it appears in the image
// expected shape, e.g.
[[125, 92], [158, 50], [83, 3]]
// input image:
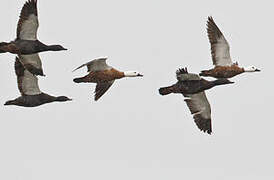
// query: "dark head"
[[57, 48], [62, 99], [11, 102], [222, 81]]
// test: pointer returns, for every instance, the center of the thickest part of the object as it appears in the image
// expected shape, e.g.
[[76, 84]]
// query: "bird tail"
[[80, 80], [2, 47], [166, 90]]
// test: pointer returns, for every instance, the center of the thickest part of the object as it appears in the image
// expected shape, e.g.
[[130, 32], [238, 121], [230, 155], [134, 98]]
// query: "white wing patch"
[[29, 28], [30, 84], [95, 65], [221, 53], [32, 59], [201, 111]]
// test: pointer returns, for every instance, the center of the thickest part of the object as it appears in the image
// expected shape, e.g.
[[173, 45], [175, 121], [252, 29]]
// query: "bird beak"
[[69, 99], [140, 75], [230, 82], [257, 70]]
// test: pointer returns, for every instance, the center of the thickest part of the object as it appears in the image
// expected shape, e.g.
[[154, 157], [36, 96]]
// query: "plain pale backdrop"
[[133, 133]]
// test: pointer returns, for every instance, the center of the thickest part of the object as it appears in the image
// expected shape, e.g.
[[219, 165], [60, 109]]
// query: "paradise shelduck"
[[102, 74], [220, 52], [192, 86], [31, 95], [26, 41]]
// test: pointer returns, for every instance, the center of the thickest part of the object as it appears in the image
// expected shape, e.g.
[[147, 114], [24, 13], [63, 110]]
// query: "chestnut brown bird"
[[103, 75], [220, 52]]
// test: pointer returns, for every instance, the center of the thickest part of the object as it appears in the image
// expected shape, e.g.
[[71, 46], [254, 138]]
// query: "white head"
[[251, 69], [132, 74]]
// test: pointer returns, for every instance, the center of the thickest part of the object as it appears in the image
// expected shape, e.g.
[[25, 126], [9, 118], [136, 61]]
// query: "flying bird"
[[192, 86], [26, 41], [220, 52], [103, 75], [31, 95]]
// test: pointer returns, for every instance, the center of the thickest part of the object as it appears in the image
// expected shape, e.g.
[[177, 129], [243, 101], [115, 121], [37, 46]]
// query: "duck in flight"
[[26, 41], [193, 87], [220, 52], [31, 95], [103, 75]]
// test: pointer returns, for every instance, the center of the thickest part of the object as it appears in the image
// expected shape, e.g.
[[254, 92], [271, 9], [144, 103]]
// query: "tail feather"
[[79, 80], [166, 90], [2, 47]]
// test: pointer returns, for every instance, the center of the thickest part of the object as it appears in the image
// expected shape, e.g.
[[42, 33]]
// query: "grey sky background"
[[132, 132]]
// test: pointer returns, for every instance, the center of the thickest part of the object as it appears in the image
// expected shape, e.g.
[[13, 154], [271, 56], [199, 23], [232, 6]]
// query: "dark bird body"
[[192, 86], [26, 41], [36, 100], [25, 47], [31, 95]]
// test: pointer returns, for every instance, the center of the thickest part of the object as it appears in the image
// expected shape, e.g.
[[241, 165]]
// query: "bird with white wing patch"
[[102, 74], [31, 95], [192, 86], [220, 52], [26, 41]]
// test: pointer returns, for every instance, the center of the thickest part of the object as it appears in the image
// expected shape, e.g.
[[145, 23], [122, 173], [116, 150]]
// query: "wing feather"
[[183, 75], [101, 88], [200, 108], [32, 63], [27, 82], [220, 50], [28, 22], [95, 65]]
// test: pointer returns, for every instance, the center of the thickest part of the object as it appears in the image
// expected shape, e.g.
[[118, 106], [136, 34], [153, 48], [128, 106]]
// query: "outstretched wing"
[[27, 82], [95, 65], [32, 63], [220, 50], [28, 23], [200, 108], [183, 75], [101, 88]]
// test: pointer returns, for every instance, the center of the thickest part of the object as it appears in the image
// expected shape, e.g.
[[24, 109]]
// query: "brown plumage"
[[102, 74], [220, 52], [223, 71]]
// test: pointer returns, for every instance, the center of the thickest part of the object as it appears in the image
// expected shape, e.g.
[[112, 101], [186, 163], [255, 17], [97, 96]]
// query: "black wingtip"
[[182, 71]]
